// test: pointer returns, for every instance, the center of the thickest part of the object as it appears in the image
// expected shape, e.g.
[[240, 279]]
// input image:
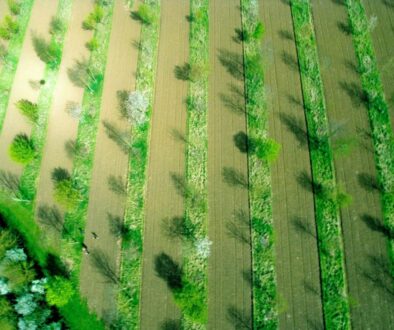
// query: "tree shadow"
[[339, 2], [51, 216], [294, 100], [117, 185], [302, 226], [171, 325], [233, 62], [311, 289], [286, 35], [168, 270], [55, 266], [376, 224], [344, 27], [10, 183], [368, 182], [238, 319], [247, 275], [104, 265], [239, 227], [179, 136], [241, 141], [70, 146], [120, 137], [354, 91], [178, 228], [296, 126], [290, 60], [233, 103], [180, 184], [351, 66], [240, 36], [182, 72], [305, 181], [389, 3], [234, 178]]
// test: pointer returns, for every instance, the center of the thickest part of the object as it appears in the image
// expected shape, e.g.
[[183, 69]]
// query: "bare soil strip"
[[370, 287], [229, 291], [297, 263], [62, 128], [109, 160], [30, 69], [166, 163], [383, 41]]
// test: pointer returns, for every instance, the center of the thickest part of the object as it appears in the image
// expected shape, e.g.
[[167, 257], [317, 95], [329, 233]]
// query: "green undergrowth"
[[11, 58], [30, 173], [260, 194], [75, 217], [20, 219], [378, 112], [326, 195], [195, 263], [131, 254]]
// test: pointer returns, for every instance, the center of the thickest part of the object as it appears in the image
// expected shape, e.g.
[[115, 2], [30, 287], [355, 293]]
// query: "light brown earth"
[[166, 158], [109, 160], [297, 263], [30, 68], [383, 41], [229, 291], [61, 126], [370, 286]]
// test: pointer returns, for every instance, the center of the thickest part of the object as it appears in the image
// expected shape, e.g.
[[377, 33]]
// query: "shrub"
[[66, 194], [28, 109], [144, 14], [59, 291], [22, 149], [258, 32], [94, 18], [8, 27], [14, 6], [92, 44], [267, 150], [7, 241]]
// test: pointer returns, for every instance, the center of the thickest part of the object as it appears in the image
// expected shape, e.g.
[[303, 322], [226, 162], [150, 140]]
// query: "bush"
[[267, 150], [92, 44], [22, 149], [94, 18], [144, 14], [28, 109], [14, 6], [66, 194], [59, 291], [8, 27]]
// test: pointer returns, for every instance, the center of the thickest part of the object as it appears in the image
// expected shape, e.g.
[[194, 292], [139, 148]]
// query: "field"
[[196, 164]]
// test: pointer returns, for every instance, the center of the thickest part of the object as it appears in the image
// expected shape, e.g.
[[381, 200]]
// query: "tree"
[[57, 26], [134, 106], [28, 109], [65, 192], [59, 291], [14, 6], [8, 27], [22, 149], [144, 14], [94, 18], [48, 52]]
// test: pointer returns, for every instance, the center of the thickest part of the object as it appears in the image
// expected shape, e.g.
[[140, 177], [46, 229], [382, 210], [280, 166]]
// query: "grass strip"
[[11, 61], [30, 174], [75, 218], [260, 193], [326, 195], [382, 134], [131, 254]]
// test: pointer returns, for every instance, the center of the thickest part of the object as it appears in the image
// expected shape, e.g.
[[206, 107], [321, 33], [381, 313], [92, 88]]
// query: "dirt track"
[[167, 157], [297, 264], [365, 247], [229, 292], [61, 126], [383, 41], [109, 160], [30, 68]]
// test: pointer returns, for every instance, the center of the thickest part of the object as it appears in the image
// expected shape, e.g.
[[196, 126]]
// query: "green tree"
[[14, 6], [22, 149], [28, 109], [144, 14], [94, 18], [8, 27], [59, 291]]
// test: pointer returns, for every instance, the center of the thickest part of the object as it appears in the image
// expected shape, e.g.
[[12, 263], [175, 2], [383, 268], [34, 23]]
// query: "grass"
[[335, 299], [131, 254], [8, 69], [382, 134], [30, 173], [260, 194]]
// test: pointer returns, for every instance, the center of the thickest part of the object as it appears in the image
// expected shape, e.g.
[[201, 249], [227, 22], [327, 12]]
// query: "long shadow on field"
[[234, 100], [339, 2], [234, 178], [105, 265], [376, 224], [238, 227], [51, 217], [290, 60], [315, 324], [286, 35], [355, 93], [389, 3], [248, 276], [178, 227], [168, 270], [369, 182], [311, 288], [238, 318], [352, 66], [305, 181], [233, 62], [171, 325], [179, 136], [296, 126], [241, 141], [302, 226], [344, 27], [180, 184], [122, 138], [117, 185]]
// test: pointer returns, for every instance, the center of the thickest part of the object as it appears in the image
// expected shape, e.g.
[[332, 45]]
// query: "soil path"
[[383, 41], [61, 126], [369, 285], [30, 69], [166, 162], [229, 291], [109, 160], [297, 263]]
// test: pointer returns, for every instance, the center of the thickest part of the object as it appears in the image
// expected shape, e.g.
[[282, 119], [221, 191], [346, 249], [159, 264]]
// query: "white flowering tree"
[[203, 247], [74, 109], [136, 104]]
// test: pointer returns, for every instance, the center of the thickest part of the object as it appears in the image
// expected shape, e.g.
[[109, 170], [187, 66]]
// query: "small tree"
[[8, 27], [14, 6], [22, 149], [59, 291], [57, 26], [94, 18], [92, 44], [28, 109], [65, 192], [135, 106], [144, 14]]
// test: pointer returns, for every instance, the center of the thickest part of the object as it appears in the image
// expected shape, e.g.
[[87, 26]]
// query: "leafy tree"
[[66, 194], [59, 291], [94, 18], [28, 109], [57, 26], [22, 149], [144, 14], [267, 150], [25, 304], [18, 274], [8, 27], [48, 52], [92, 44], [14, 6], [135, 105]]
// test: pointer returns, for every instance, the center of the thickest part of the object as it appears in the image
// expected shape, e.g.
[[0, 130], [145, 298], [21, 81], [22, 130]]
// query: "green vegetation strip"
[[327, 197], [78, 195], [131, 254], [260, 193], [30, 173], [71, 305], [192, 298], [378, 113], [11, 58]]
